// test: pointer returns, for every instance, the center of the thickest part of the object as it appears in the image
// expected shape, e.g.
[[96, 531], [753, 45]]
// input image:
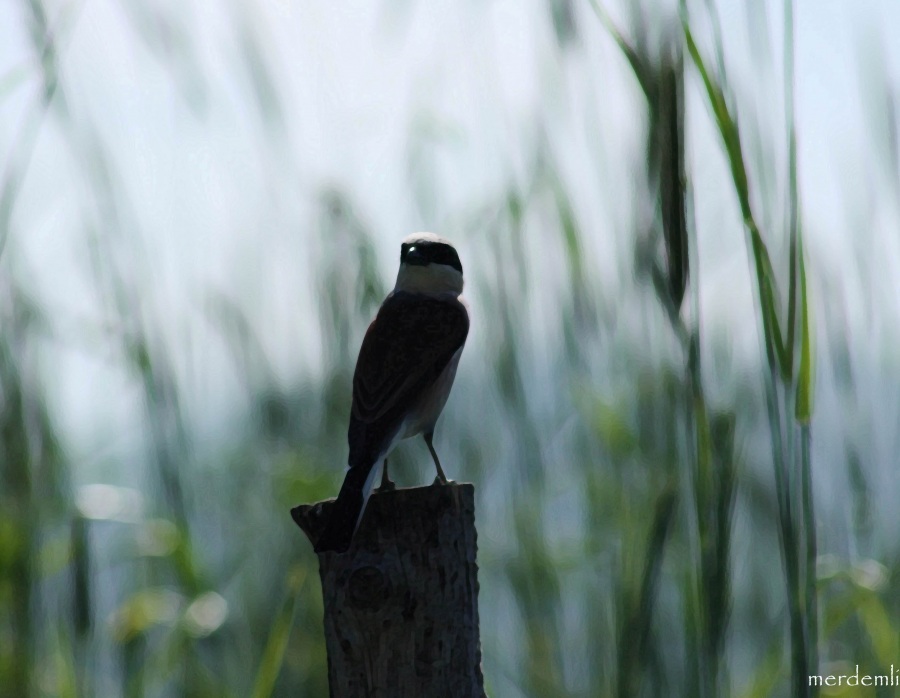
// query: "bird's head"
[[429, 264]]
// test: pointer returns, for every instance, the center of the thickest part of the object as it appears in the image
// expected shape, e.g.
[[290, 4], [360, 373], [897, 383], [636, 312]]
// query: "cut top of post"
[[401, 605]]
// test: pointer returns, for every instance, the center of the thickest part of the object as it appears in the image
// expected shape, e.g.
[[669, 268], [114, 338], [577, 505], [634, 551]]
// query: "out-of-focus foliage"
[[200, 210]]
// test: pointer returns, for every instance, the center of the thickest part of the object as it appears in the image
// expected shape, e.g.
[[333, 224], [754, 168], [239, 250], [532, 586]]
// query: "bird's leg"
[[386, 483], [437, 463]]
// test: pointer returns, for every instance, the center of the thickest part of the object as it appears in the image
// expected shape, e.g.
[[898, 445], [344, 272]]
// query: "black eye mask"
[[425, 252]]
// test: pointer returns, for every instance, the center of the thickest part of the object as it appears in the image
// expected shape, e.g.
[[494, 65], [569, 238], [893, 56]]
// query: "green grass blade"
[[66, 679], [273, 654], [765, 277], [767, 675], [638, 66], [811, 590], [727, 128], [876, 620], [634, 641], [793, 213], [804, 401]]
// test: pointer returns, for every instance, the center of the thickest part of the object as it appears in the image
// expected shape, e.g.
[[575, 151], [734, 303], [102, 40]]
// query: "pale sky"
[[220, 196]]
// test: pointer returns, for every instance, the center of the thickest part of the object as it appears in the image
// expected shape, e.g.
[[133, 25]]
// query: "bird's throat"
[[433, 279]]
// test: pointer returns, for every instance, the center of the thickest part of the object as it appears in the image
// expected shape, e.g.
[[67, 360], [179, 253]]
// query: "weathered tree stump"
[[401, 605]]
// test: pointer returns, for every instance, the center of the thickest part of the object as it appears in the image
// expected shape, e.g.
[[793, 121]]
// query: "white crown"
[[426, 237]]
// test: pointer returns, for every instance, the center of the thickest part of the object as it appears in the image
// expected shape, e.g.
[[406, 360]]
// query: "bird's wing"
[[407, 346]]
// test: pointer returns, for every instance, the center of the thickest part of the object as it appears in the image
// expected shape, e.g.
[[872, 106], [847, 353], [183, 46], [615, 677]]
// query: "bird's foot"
[[387, 485]]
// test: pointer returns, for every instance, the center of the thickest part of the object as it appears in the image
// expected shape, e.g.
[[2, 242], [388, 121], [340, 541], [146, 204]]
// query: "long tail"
[[346, 511]]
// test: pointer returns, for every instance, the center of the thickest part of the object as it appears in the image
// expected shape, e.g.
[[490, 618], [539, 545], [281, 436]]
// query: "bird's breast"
[[422, 418]]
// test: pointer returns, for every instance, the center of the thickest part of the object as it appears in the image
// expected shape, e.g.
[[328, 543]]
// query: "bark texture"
[[401, 605]]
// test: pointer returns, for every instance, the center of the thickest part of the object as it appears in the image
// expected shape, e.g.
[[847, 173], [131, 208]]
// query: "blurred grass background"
[[678, 401]]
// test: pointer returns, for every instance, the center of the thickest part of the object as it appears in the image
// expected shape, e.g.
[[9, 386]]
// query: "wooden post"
[[401, 606]]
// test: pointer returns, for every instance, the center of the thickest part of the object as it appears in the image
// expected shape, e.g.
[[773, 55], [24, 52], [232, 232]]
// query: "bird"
[[404, 373]]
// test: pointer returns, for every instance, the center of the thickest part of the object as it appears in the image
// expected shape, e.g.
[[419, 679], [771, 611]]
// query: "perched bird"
[[403, 376]]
